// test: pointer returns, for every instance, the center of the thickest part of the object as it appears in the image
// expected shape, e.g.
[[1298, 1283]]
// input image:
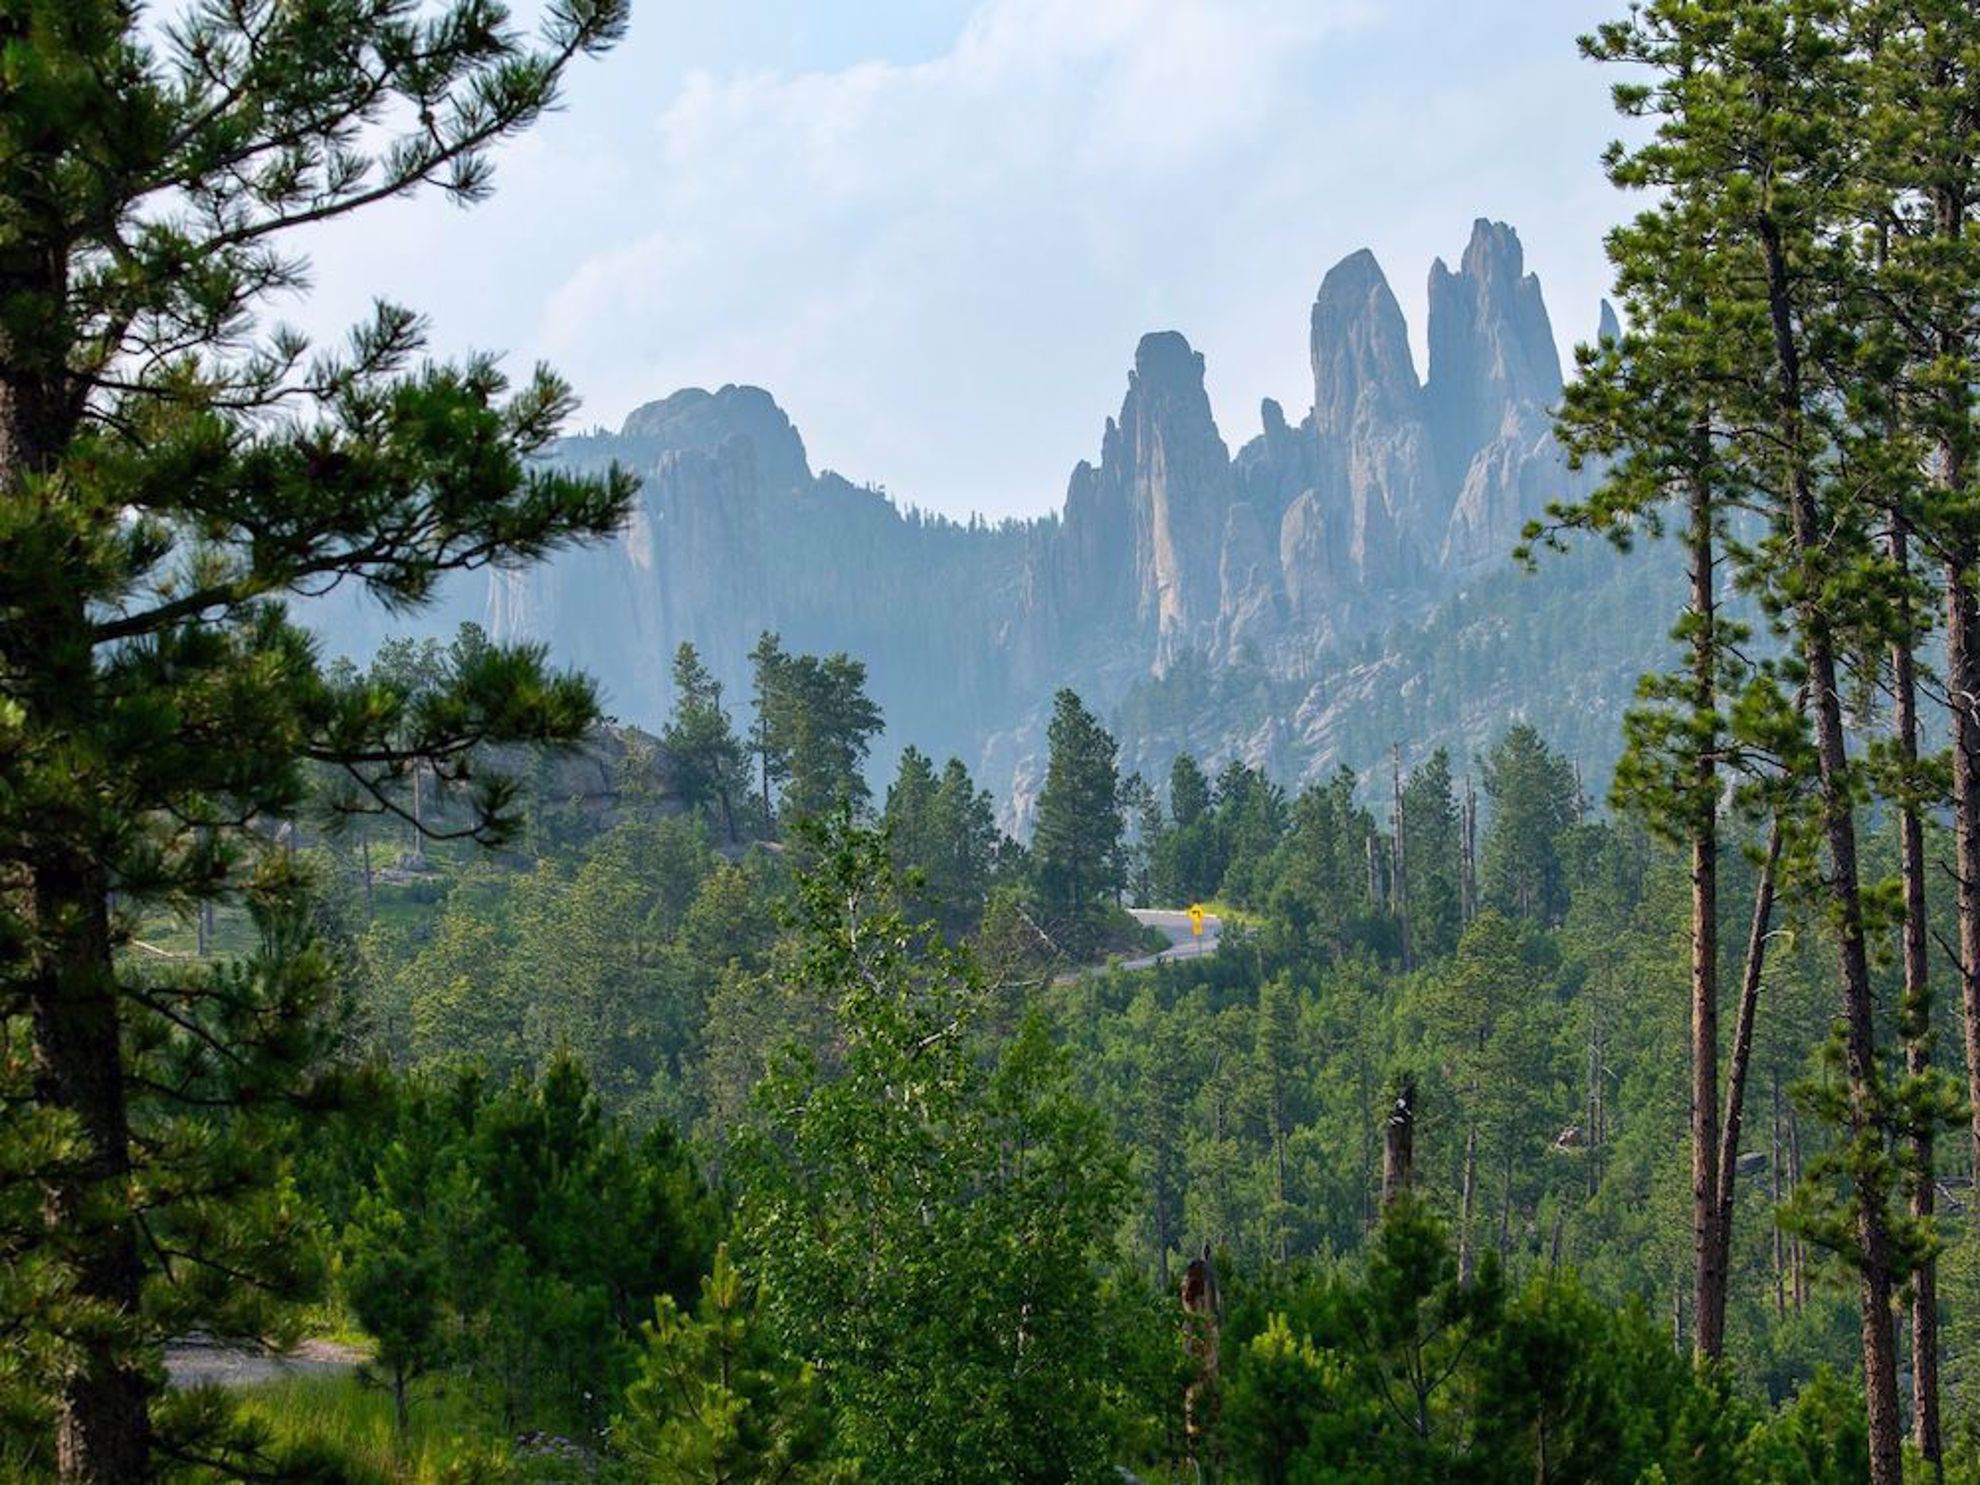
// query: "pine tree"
[[1534, 800], [1430, 816], [929, 1229], [943, 833], [171, 469], [1075, 847], [967, 842], [1643, 405], [1188, 858], [1922, 178], [707, 756], [1189, 791], [815, 725], [713, 1402], [1759, 110], [769, 734], [909, 812]]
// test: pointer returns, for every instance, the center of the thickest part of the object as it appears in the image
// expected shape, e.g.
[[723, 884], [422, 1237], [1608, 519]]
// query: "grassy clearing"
[[454, 1435], [449, 1442]]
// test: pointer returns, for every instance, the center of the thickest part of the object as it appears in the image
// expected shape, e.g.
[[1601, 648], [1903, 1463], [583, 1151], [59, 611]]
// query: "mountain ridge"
[[1391, 496]]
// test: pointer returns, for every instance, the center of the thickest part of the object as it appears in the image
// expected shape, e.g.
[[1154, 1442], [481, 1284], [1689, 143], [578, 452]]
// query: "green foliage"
[[1433, 831], [341, 1429], [945, 838], [710, 767], [511, 1236], [173, 469], [1535, 798], [929, 1231], [814, 725], [714, 1402], [1320, 901], [1818, 1439], [1076, 843], [1402, 1370]]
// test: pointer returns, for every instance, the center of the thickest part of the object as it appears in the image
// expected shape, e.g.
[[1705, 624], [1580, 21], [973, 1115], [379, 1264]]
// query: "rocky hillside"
[[1305, 567]]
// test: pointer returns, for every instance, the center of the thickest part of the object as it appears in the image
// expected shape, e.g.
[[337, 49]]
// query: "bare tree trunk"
[[1468, 847], [1774, 1184], [1915, 1023], [1592, 1105], [1399, 1141], [1506, 1205], [1742, 1058], [1866, 1118], [1402, 858], [1963, 682], [1797, 1250], [1466, 1200], [102, 1424], [1708, 1253]]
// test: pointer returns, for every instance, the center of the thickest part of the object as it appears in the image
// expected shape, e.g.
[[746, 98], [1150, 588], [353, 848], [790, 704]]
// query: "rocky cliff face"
[[1151, 517], [1380, 502], [1494, 376]]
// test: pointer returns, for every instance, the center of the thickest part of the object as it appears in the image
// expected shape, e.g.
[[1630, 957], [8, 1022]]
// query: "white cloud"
[[940, 267]]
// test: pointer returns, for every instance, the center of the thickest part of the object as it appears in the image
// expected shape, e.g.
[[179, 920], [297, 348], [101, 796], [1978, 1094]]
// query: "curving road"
[[197, 1361], [1182, 943]]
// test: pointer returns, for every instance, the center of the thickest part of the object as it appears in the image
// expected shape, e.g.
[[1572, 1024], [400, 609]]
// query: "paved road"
[[193, 1362], [1182, 943]]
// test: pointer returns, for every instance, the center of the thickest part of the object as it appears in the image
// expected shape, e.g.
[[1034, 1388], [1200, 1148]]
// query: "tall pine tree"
[[1076, 847], [172, 468]]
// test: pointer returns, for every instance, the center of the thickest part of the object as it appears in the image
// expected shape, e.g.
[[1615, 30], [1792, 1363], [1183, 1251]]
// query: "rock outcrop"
[[1384, 498], [1495, 377], [1164, 484]]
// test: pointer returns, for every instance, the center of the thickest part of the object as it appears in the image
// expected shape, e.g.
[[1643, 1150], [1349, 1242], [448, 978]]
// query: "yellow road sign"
[[1196, 919]]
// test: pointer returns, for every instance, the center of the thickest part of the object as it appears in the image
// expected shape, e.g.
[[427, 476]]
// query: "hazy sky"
[[934, 229]]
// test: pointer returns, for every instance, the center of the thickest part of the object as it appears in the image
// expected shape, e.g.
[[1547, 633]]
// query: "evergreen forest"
[[411, 1075]]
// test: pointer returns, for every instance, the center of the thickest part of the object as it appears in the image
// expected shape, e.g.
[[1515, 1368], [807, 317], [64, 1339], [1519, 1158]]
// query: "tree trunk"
[[1797, 1253], [1590, 1093], [1742, 1058], [1506, 1204], [1774, 1191], [1866, 1117], [1465, 1203], [1963, 682], [1468, 855], [1708, 1260], [103, 1432], [1279, 1196], [1915, 1023], [1402, 858], [1399, 1142], [103, 1424]]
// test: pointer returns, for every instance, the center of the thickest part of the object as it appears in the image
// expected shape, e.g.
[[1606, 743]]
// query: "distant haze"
[[935, 230]]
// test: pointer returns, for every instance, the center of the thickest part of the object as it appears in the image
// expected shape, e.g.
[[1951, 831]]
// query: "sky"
[[935, 229]]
